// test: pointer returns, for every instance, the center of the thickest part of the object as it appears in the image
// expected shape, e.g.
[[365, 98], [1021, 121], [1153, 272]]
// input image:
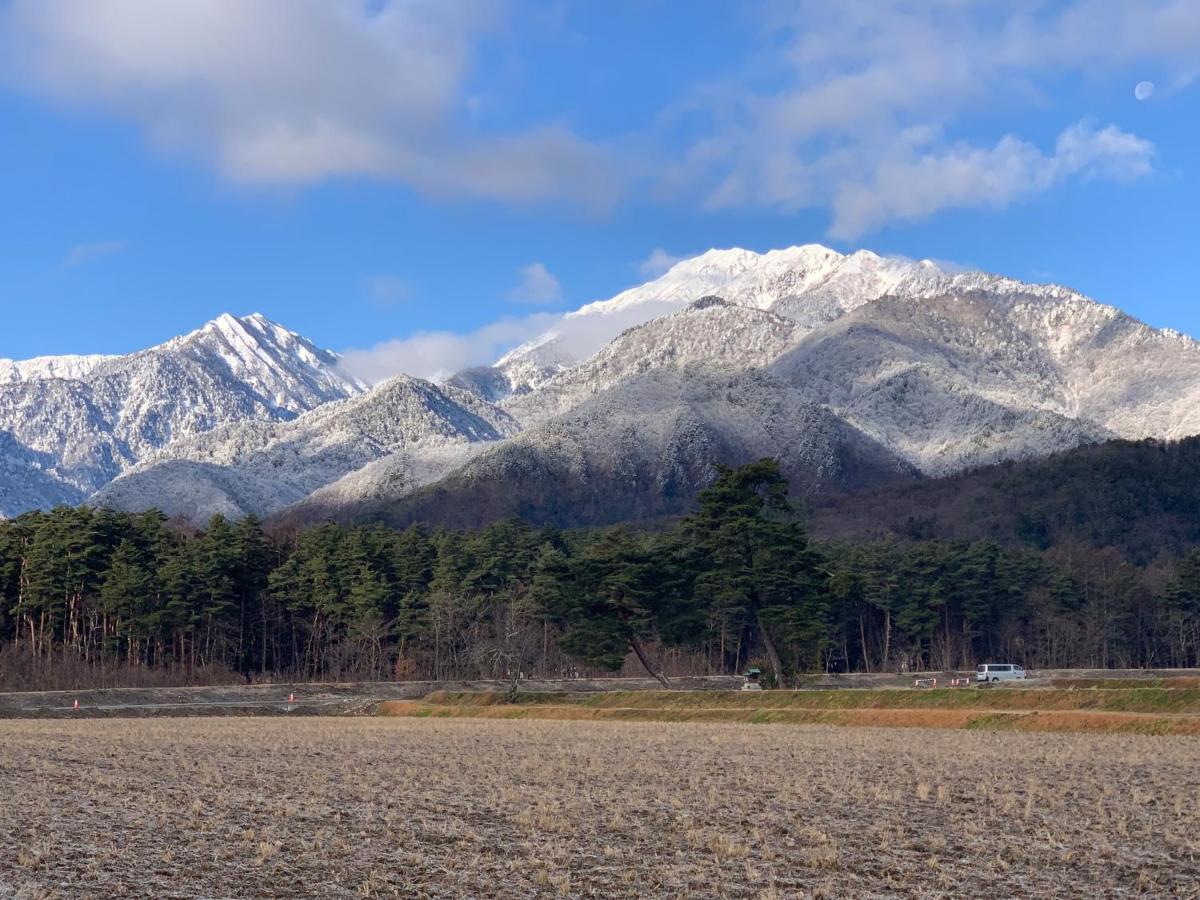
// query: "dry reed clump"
[[464, 807]]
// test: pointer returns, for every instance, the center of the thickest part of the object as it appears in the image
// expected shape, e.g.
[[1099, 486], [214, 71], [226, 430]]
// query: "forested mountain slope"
[[639, 451], [1142, 497]]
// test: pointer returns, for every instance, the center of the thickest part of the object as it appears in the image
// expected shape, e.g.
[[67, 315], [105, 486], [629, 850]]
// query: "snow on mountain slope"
[[642, 449], [947, 382], [810, 284], [384, 481], [1136, 380], [949, 369], [969, 378], [259, 467], [708, 331], [943, 370], [288, 371], [89, 428], [27, 480], [41, 367], [861, 367]]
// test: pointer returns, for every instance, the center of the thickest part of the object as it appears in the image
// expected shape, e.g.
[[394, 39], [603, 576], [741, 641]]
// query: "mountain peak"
[[84, 420], [736, 260], [287, 369], [255, 326]]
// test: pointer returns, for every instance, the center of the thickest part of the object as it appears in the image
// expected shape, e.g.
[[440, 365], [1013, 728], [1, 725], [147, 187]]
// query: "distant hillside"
[[1140, 496], [852, 370], [637, 452]]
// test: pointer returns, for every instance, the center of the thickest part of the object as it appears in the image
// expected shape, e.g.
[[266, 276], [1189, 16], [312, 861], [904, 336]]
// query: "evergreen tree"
[[754, 560]]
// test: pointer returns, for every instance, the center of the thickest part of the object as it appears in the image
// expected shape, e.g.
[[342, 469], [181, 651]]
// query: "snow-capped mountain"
[[852, 368], [638, 450], [940, 370], [809, 284], [78, 422], [260, 467], [41, 367], [708, 332]]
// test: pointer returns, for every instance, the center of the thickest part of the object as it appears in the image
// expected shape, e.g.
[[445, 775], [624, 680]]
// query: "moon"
[[1144, 90]]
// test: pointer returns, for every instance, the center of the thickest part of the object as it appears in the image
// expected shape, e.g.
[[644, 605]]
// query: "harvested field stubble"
[[403, 807]]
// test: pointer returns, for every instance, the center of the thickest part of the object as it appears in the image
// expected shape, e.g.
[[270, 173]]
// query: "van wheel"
[[995, 680]]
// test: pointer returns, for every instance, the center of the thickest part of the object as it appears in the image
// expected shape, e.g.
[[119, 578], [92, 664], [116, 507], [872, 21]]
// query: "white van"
[[999, 672]]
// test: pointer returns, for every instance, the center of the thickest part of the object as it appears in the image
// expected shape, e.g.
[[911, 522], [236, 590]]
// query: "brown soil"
[[448, 808]]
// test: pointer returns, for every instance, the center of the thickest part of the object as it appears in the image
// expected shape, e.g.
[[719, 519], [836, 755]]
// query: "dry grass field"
[[369, 807], [1111, 710]]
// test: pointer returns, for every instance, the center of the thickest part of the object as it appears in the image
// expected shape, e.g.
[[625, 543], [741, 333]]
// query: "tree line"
[[736, 583]]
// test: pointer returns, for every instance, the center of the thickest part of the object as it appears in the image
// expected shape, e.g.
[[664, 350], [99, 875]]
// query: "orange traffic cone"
[[76, 706], [291, 698]]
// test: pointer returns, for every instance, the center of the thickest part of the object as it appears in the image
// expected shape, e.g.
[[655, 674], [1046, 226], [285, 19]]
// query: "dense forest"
[[99, 597], [1142, 497]]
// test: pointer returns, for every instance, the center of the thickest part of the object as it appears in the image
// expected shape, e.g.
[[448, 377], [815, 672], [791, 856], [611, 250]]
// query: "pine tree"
[[756, 562]]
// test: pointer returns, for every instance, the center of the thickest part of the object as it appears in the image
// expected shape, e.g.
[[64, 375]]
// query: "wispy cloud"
[[386, 291], [658, 262], [537, 285], [439, 354], [90, 251], [912, 185], [835, 99], [868, 93]]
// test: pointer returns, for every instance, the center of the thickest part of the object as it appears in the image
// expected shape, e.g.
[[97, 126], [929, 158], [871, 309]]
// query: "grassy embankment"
[[1113, 708]]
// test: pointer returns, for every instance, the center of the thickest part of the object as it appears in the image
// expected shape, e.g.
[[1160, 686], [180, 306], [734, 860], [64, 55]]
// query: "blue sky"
[[447, 176]]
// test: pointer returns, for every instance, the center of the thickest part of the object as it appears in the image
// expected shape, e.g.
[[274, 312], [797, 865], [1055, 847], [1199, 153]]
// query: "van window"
[[981, 668]]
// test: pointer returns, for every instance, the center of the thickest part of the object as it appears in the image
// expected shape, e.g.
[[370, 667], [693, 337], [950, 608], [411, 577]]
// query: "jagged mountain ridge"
[[1015, 369], [80, 421], [809, 284], [936, 370], [708, 331], [260, 467], [40, 367], [943, 370]]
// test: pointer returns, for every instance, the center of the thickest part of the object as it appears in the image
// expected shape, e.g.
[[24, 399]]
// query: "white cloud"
[[439, 354], [386, 290], [537, 285], [295, 91], [657, 263], [910, 186], [863, 92], [93, 250]]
